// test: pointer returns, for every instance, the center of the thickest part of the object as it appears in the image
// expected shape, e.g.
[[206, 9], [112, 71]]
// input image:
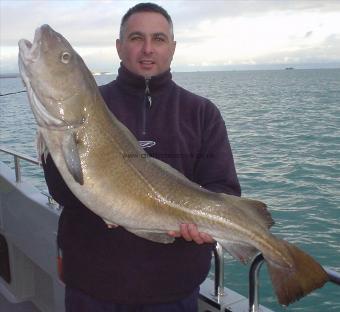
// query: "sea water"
[[284, 129]]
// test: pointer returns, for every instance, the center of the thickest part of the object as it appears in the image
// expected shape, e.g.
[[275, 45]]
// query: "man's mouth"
[[146, 62]]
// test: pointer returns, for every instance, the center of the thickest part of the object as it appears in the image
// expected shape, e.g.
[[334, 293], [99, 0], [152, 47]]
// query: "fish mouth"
[[29, 53]]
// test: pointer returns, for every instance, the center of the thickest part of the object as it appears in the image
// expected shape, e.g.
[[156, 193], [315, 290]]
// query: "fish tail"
[[297, 277]]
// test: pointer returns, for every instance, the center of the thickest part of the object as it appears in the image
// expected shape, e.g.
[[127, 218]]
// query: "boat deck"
[[230, 302], [7, 306]]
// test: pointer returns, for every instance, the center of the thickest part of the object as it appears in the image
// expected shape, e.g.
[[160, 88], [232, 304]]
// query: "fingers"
[[207, 238], [190, 233], [174, 234], [111, 226]]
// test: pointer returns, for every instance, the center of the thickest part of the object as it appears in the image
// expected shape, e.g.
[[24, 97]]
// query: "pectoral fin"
[[243, 252], [163, 238], [71, 157]]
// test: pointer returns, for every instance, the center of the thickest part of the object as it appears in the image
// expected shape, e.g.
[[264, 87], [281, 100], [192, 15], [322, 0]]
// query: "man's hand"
[[190, 233]]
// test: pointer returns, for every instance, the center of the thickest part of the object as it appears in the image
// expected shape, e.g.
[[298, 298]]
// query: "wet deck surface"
[[6, 306]]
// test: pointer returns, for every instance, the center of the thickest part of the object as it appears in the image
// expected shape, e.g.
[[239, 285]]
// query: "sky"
[[210, 35]]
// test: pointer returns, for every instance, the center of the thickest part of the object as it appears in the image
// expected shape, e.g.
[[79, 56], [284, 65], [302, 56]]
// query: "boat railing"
[[254, 283], [17, 168], [254, 277], [255, 266], [219, 270], [17, 157]]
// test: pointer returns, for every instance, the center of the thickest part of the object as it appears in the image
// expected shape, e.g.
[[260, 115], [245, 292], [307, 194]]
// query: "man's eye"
[[161, 39], [136, 38]]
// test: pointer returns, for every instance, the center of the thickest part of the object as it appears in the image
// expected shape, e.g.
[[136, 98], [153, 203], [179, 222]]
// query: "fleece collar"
[[131, 82]]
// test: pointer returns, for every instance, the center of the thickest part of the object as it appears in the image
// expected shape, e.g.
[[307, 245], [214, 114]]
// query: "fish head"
[[54, 76]]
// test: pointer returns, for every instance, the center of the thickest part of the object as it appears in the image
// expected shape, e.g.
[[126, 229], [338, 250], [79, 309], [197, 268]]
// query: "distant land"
[[248, 67], [212, 68], [10, 75], [102, 73], [16, 75]]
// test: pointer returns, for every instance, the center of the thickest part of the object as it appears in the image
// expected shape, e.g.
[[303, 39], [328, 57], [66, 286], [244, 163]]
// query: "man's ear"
[[118, 47], [173, 49]]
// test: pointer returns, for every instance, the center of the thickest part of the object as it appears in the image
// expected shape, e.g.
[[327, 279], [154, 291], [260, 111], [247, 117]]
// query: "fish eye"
[[65, 57]]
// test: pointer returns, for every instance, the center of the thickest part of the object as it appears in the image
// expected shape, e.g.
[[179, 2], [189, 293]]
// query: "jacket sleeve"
[[56, 185], [215, 168]]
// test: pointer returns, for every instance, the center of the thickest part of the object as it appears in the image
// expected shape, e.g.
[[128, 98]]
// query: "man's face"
[[147, 46]]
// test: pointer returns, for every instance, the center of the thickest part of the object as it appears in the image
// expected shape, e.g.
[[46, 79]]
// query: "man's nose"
[[148, 46]]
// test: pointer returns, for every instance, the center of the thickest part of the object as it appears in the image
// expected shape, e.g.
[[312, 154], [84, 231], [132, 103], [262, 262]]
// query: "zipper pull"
[[147, 91]]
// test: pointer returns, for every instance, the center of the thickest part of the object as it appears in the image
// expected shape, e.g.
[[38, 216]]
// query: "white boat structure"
[[29, 256]]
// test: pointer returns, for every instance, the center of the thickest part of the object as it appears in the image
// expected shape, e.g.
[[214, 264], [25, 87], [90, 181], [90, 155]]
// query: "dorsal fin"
[[254, 208], [259, 209]]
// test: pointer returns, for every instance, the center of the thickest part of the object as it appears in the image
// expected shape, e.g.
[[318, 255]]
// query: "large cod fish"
[[144, 195]]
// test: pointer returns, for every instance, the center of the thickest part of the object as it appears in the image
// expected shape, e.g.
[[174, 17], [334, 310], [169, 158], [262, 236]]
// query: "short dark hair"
[[145, 7]]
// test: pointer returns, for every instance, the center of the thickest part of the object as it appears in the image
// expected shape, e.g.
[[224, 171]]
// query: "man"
[[110, 269]]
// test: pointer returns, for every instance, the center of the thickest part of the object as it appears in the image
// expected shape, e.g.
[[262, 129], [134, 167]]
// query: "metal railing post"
[[219, 271], [17, 169], [254, 283], [333, 275]]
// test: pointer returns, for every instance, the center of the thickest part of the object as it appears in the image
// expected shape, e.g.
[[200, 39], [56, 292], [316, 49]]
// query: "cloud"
[[81, 21], [207, 32], [245, 39], [188, 13], [308, 33], [96, 22], [326, 52]]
